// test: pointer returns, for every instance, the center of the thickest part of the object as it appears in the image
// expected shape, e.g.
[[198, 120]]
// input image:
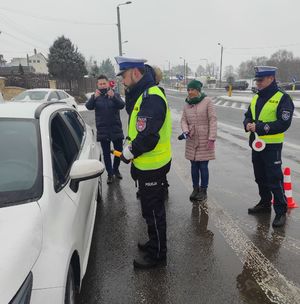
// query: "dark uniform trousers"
[[269, 177], [152, 186]]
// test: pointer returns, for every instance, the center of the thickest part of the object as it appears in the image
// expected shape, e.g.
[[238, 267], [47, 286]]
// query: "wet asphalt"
[[217, 253]]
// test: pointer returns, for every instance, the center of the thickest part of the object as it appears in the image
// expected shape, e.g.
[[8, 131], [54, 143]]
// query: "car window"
[[76, 123], [64, 151], [61, 95], [31, 96], [53, 95], [20, 161]]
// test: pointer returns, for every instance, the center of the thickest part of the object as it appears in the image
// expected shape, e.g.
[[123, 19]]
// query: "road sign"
[[179, 77]]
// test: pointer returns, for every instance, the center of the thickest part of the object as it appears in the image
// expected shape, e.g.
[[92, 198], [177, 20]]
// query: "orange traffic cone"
[[287, 186]]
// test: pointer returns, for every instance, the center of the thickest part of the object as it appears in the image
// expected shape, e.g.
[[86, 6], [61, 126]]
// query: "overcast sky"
[[158, 30]]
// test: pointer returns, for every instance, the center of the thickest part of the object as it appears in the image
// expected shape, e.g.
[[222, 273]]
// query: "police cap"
[[264, 71], [126, 63]]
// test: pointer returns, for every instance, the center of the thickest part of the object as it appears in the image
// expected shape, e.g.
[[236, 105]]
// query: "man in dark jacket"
[[107, 105], [150, 153], [269, 116]]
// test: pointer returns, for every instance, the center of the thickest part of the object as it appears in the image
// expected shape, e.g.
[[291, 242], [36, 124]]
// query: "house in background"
[[37, 61]]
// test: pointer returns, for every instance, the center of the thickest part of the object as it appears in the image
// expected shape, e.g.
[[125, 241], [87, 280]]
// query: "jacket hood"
[[21, 241]]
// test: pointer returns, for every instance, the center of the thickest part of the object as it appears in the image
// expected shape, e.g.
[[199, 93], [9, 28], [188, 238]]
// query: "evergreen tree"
[[107, 69], [65, 61], [2, 60], [21, 70], [95, 71]]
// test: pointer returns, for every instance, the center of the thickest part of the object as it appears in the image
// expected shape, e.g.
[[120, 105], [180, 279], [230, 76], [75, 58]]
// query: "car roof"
[[42, 89], [27, 110]]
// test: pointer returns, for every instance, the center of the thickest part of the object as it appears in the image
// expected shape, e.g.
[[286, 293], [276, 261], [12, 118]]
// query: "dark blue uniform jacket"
[[285, 112], [107, 115]]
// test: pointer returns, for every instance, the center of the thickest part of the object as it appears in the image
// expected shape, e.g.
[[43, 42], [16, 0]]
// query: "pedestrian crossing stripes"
[[239, 105]]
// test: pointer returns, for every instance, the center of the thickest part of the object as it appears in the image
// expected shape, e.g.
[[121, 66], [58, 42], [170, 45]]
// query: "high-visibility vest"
[[161, 154], [268, 114]]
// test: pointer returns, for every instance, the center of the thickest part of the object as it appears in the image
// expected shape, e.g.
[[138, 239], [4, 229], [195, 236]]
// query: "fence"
[[77, 87], [28, 81]]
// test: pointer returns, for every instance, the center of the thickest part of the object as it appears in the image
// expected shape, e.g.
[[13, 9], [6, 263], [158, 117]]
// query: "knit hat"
[[195, 84]]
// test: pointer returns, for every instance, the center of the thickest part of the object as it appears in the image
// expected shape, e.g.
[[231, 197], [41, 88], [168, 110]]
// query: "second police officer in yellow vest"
[[269, 116], [149, 150]]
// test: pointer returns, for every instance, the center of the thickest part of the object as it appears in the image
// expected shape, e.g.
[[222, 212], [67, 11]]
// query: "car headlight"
[[24, 293]]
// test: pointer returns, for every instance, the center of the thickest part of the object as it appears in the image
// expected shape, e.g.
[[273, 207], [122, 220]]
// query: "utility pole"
[[186, 71], [119, 31], [169, 72], [221, 63]]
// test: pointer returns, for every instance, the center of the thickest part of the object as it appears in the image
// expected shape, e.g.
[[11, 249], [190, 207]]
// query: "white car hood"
[[21, 241]]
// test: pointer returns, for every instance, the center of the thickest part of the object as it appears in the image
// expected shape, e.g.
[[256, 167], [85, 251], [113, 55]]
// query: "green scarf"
[[195, 100]]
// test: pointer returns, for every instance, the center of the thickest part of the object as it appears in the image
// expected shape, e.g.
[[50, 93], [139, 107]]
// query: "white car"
[[44, 95], [50, 181]]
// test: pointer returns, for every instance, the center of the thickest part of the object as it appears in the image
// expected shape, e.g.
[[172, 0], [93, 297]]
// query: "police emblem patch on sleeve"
[[141, 124], [267, 128], [285, 115]]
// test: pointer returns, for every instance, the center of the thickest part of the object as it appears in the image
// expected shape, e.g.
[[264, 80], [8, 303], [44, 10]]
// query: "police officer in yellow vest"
[[269, 116], [149, 150]]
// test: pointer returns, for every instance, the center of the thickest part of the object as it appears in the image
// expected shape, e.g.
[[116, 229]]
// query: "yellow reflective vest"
[[161, 154], [268, 114]]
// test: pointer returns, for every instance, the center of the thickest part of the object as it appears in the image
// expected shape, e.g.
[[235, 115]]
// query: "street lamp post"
[[221, 63], [119, 26], [169, 66], [184, 69], [126, 41]]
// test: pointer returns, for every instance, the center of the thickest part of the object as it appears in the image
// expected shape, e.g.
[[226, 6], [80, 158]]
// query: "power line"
[[22, 30], [47, 18], [19, 39]]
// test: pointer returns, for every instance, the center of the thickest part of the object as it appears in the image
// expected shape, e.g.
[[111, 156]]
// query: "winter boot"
[[261, 207], [202, 195], [194, 193], [279, 220]]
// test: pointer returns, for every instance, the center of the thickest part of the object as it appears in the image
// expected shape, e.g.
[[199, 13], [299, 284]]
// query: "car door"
[[85, 197]]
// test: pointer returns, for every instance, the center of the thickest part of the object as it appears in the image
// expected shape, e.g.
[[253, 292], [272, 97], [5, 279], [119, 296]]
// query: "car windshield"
[[31, 96], [20, 169]]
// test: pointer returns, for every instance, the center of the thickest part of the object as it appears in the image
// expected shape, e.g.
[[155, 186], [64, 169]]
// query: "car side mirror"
[[83, 170]]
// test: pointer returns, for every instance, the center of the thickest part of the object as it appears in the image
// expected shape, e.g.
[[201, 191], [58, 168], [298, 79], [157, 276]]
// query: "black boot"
[[109, 179], [202, 195], [261, 207], [194, 193], [143, 247], [279, 220], [148, 262]]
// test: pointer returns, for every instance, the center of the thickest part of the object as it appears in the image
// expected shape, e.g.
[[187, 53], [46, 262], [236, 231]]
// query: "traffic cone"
[[287, 186]]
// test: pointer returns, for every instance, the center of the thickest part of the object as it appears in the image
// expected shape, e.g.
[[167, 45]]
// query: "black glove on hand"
[[182, 136]]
